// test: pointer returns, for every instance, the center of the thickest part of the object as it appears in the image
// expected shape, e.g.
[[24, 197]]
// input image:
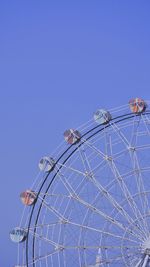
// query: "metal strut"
[[143, 262], [146, 261]]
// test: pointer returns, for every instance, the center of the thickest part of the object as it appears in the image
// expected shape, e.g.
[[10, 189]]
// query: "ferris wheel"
[[89, 205]]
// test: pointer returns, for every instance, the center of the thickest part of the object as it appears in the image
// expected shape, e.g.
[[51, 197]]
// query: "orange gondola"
[[137, 105], [28, 197]]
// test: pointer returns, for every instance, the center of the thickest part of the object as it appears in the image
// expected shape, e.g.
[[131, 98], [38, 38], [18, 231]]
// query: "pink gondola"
[[72, 136]]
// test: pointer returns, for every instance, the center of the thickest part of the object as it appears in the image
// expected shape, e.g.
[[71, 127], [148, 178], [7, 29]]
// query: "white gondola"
[[46, 164], [102, 116], [18, 235]]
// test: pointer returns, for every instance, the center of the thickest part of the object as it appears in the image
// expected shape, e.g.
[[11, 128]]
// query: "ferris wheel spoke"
[[41, 258], [40, 237], [124, 187], [88, 171], [63, 247], [71, 169], [59, 248], [143, 262], [71, 166], [137, 169], [139, 263], [104, 156], [69, 222], [50, 194], [97, 247], [120, 210], [140, 184], [93, 148], [89, 206], [66, 221], [42, 225], [128, 195], [140, 148], [55, 211], [106, 193], [118, 176], [134, 131], [101, 231], [94, 209], [82, 175], [146, 260], [146, 122], [85, 162], [133, 259], [120, 134]]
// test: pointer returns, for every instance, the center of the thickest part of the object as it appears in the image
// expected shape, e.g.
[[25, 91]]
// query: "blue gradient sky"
[[59, 62]]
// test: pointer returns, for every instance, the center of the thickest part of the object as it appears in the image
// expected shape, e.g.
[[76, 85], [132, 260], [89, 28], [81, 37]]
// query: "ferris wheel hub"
[[146, 246], [147, 252]]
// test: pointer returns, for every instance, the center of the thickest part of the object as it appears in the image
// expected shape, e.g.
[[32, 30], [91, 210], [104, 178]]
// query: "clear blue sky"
[[59, 62]]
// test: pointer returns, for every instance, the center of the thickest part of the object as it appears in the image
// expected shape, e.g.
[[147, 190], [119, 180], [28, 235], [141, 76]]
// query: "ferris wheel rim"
[[98, 128]]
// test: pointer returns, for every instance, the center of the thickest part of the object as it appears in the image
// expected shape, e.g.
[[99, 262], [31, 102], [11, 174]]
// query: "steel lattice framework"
[[93, 206]]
